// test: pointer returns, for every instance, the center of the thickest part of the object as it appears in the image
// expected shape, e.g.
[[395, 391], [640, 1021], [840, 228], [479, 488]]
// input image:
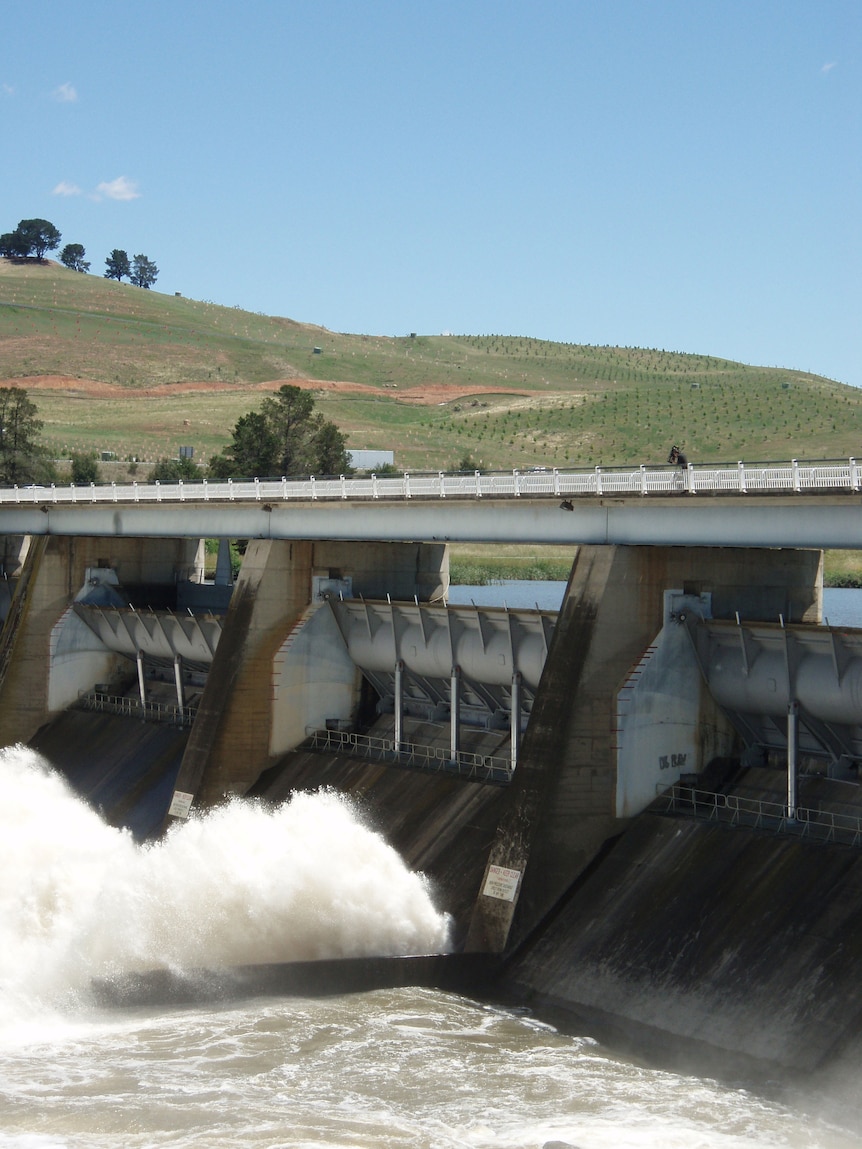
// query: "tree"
[[32, 237], [21, 458], [289, 416], [144, 272], [330, 447], [285, 437], [255, 446], [85, 468], [468, 463], [72, 256], [170, 470], [41, 235], [117, 265], [13, 245]]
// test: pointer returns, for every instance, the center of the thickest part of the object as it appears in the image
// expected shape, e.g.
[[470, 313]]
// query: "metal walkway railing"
[[742, 479], [437, 759], [820, 825], [163, 712]]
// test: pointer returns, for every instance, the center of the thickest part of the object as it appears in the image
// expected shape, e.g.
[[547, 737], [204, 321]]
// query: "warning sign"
[[180, 805], [501, 883]]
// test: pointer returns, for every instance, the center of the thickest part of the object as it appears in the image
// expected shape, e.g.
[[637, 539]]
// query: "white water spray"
[[243, 884]]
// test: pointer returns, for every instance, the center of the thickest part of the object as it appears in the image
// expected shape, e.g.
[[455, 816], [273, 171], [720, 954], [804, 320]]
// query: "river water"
[[396, 1068]]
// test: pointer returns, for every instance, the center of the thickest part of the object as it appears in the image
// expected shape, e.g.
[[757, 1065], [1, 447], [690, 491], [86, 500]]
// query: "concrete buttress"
[[229, 743], [53, 572], [241, 726], [560, 807]]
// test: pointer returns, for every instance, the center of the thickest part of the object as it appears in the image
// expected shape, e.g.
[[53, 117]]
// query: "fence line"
[[821, 825], [742, 479], [476, 767]]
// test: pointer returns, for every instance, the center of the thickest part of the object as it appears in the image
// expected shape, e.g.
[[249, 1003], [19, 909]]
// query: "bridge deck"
[[775, 505]]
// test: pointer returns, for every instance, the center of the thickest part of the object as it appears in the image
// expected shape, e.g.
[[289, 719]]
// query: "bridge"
[[790, 504]]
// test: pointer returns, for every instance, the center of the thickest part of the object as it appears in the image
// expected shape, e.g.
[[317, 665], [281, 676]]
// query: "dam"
[[642, 808]]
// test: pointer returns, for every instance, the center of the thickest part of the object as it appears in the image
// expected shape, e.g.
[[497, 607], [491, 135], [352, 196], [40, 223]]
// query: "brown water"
[[404, 1068], [408, 1067]]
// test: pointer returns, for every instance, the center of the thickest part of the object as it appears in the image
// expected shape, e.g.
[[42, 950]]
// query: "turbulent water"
[[398, 1068], [79, 899]]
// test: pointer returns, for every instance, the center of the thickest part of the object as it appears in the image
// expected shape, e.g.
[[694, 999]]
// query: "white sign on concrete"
[[501, 883], [180, 805]]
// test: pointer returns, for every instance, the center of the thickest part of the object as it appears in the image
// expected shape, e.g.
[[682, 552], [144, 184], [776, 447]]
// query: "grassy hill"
[[111, 367]]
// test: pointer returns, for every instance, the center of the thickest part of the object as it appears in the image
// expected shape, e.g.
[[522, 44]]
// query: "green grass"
[[479, 564], [521, 402], [842, 568]]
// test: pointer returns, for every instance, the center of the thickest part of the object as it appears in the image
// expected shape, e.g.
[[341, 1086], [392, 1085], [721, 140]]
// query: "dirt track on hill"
[[427, 394]]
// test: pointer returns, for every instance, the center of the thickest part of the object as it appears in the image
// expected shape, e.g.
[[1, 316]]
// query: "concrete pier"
[[561, 807], [54, 571], [239, 731]]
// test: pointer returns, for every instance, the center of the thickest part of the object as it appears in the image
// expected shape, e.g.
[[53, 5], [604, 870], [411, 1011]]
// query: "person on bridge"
[[677, 457]]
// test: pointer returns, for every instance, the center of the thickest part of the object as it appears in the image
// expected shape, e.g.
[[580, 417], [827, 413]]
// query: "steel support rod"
[[515, 717], [792, 755], [142, 686], [178, 680], [455, 713], [399, 705]]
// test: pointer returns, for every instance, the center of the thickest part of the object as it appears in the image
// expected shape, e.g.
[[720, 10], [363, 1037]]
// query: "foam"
[[241, 884]]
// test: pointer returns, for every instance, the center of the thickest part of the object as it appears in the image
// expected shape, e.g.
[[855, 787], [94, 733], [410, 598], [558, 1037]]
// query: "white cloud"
[[64, 188], [827, 68], [66, 94], [7, 89], [121, 189]]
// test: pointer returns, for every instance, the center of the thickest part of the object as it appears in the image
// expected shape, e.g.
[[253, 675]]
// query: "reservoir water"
[[840, 607], [397, 1068]]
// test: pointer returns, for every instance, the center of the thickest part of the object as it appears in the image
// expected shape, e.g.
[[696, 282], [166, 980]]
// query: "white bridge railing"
[[742, 479]]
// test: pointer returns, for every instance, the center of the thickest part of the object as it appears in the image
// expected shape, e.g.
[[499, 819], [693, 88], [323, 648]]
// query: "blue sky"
[[683, 175]]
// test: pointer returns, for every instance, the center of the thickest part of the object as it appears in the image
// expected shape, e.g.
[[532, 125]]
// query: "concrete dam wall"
[[517, 787], [705, 934], [125, 768]]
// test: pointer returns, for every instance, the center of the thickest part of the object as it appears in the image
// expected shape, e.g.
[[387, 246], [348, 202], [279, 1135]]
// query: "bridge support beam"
[[560, 808]]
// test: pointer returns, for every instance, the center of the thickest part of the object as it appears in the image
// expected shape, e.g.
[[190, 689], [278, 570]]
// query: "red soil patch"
[[426, 394]]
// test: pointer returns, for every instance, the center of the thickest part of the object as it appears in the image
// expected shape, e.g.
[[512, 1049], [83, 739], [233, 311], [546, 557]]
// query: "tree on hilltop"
[[13, 245], [72, 256], [144, 272], [32, 237], [285, 437], [117, 265], [41, 235]]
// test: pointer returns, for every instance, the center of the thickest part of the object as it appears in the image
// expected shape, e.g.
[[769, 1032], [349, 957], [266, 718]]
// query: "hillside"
[[137, 372]]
